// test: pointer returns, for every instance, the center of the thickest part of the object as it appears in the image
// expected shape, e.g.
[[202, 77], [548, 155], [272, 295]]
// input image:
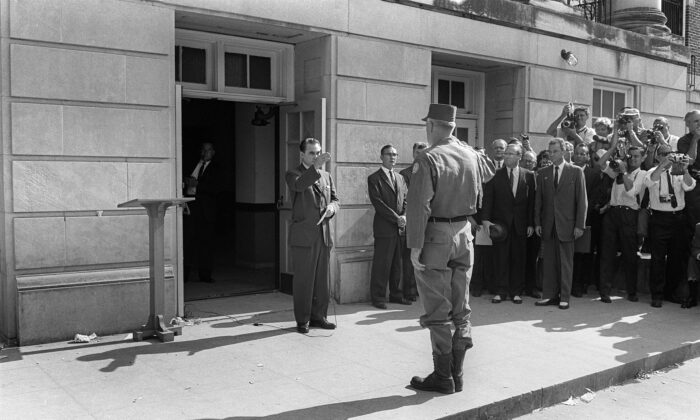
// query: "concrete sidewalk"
[[245, 360]]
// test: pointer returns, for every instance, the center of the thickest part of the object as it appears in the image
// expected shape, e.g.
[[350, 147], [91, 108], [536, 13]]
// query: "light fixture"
[[262, 118], [569, 57]]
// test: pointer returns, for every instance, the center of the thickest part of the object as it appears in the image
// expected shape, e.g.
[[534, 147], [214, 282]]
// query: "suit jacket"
[[564, 207], [388, 203], [500, 206], [312, 192], [209, 185], [597, 188]]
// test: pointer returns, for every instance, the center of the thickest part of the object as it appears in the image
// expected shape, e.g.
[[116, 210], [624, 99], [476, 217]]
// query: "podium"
[[156, 208]]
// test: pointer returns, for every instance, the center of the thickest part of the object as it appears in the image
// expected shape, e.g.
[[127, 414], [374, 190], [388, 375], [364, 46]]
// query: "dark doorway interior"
[[243, 250]]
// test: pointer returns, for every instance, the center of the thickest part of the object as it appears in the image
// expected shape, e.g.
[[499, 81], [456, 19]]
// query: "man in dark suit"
[[408, 278], [509, 200], [387, 192], [560, 218], [205, 184], [314, 203]]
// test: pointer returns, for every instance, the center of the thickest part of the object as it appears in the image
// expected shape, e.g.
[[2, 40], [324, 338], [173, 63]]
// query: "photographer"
[[667, 184], [629, 127], [571, 125], [619, 226], [688, 144], [658, 136]]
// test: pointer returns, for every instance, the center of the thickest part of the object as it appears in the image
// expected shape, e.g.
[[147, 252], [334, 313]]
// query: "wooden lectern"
[[156, 208]]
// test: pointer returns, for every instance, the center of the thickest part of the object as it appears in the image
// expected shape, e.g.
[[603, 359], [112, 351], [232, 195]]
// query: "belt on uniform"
[[624, 208], [448, 219]]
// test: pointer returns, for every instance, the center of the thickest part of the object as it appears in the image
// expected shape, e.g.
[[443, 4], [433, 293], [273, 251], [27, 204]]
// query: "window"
[[210, 65], [608, 98], [463, 89], [457, 91]]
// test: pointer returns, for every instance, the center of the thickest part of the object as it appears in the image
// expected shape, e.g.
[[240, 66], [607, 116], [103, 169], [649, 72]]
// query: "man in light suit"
[[387, 192], [509, 199], [560, 218], [314, 203]]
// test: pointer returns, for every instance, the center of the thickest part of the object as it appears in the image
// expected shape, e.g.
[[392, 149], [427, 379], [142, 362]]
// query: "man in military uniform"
[[446, 184]]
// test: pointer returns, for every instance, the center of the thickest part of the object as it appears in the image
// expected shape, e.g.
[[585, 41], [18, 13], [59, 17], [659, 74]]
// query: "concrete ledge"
[[56, 306], [529, 401]]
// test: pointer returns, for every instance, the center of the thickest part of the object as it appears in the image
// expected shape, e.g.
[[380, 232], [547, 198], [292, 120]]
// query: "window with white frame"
[[609, 98], [228, 66]]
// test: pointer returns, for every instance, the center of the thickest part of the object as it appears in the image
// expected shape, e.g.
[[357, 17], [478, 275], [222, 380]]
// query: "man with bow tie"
[[387, 192], [314, 203]]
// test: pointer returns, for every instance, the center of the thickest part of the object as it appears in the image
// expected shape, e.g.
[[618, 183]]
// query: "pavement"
[[245, 360]]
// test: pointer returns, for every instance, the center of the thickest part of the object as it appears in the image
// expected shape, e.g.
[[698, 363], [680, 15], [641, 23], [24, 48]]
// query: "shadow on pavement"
[[350, 409], [123, 357]]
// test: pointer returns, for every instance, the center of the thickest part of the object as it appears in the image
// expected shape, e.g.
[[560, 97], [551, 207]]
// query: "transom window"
[[234, 66]]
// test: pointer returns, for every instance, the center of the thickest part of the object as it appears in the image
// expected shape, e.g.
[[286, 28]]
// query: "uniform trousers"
[[669, 231], [619, 232], [310, 283], [558, 261], [444, 285]]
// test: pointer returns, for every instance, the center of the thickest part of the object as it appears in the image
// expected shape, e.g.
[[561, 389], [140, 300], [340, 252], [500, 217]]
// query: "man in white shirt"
[[667, 222], [579, 133], [619, 229]]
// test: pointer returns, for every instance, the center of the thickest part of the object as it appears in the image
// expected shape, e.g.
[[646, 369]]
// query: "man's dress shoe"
[[401, 301], [547, 302], [605, 299], [564, 305], [322, 323], [303, 328], [496, 299], [517, 300], [379, 305]]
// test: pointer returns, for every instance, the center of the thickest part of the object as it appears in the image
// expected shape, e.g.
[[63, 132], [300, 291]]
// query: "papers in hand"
[[325, 214], [482, 237]]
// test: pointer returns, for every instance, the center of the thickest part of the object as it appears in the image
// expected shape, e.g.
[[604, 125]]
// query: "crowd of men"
[[563, 221]]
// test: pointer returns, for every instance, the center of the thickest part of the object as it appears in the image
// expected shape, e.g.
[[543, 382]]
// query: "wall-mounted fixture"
[[262, 118], [569, 57]]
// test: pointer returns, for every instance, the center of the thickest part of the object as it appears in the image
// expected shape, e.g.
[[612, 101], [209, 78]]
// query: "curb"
[[545, 397]]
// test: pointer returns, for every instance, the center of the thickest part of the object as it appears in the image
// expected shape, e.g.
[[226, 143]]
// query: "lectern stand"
[[155, 326]]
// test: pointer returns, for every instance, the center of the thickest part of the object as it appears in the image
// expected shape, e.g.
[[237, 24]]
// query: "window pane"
[[619, 100], [236, 70], [608, 110], [443, 91], [194, 65], [463, 134], [177, 63], [260, 73], [596, 103], [457, 94]]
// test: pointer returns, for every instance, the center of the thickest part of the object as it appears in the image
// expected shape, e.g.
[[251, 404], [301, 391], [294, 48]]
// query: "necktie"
[[556, 177], [201, 170], [510, 178], [671, 192], [392, 179]]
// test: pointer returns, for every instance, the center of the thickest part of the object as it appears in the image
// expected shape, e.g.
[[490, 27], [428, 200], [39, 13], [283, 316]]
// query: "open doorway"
[[232, 236]]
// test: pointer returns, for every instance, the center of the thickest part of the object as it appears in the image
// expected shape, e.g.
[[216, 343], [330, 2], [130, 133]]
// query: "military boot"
[[441, 378], [457, 363]]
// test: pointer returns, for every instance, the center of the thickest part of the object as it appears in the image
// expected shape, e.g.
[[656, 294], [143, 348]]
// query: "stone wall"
[[88, 123]]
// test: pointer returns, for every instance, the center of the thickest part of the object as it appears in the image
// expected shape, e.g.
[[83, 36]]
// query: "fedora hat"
[[442, 112], [498, 232]]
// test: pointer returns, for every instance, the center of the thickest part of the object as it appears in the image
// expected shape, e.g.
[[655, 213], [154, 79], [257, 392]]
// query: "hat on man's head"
[[442, 112], [498, 232], [631, 111]]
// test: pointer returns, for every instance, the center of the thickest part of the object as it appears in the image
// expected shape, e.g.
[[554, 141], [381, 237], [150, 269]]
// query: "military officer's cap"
[[442, 112]]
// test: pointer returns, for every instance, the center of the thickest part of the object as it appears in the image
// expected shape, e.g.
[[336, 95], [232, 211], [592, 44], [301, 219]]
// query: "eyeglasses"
[[391, 154]]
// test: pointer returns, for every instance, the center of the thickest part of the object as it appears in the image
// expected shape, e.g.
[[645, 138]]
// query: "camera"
[[624, 120], [569, 122], [677, 160], [658, 127], [614, 164]]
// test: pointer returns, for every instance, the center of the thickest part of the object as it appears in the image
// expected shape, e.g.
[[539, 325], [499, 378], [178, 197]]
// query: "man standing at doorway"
[[314, 203], [205, 184], [387, 192], [446, 183]]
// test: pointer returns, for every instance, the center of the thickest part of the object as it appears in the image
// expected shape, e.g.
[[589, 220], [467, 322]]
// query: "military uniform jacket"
[[446, 181], [312, 191]]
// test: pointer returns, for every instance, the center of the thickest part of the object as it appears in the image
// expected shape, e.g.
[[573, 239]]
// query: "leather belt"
[[663, 212], [448, 219], [624, 208]]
